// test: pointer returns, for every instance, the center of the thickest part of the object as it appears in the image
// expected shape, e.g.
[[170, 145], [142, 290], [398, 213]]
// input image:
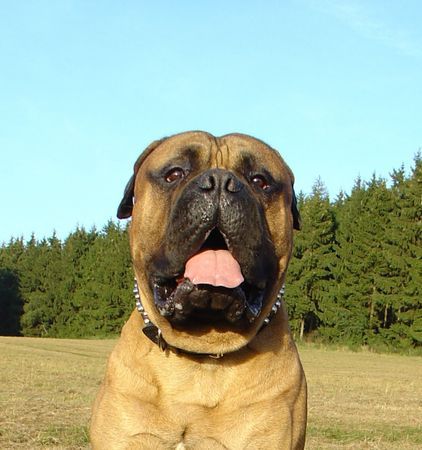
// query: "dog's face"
[[211, 233]]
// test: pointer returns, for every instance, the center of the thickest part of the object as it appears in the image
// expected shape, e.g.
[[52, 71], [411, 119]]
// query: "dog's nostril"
[[207, 182], [233, 185]]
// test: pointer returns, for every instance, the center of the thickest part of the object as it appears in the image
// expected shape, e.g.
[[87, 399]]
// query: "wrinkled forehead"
[[203, 149], [247, 148], [190, 144]]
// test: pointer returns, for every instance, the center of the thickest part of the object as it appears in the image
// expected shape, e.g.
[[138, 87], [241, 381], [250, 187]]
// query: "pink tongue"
[[215, 267]]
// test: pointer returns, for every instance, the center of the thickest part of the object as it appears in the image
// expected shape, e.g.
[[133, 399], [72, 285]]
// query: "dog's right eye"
[[174, 174]]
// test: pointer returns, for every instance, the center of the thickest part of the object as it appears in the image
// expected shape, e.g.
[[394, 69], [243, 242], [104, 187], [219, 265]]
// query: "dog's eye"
[[174, 174], [261, 182]]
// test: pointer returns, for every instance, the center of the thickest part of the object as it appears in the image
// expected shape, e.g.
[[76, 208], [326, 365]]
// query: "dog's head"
[[211, 236]]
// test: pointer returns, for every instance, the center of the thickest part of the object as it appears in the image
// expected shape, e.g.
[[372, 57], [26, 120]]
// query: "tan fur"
[[252, 398]]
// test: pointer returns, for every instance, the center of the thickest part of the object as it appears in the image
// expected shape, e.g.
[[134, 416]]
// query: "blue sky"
[[335, 86]]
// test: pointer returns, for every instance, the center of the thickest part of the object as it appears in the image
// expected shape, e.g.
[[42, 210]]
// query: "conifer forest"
[[355, 277]]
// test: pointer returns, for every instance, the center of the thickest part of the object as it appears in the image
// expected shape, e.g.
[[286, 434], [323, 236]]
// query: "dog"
[[206, 360]]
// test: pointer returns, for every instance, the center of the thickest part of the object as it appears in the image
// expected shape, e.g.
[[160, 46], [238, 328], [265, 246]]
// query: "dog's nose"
[[219, 180]]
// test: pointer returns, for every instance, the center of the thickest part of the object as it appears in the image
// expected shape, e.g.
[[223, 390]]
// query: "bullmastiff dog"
[[206, 360]]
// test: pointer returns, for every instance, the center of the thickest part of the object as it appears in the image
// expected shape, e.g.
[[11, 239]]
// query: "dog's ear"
[[124, 211], [295, 212], [293, 207]]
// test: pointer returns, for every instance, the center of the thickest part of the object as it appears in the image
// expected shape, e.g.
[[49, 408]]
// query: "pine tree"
[[11, 301], [363, 268], [404, 315], [385, 270], [353, 284], [310, 274], [104, 298], [75, 248], [40, 274]]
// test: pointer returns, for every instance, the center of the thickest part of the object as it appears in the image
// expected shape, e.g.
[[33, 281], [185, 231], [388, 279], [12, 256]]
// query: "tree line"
[[355, 277]]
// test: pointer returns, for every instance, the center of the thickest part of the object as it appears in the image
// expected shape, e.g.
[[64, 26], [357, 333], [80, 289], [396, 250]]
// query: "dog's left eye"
[[174, 174], [261, 182]]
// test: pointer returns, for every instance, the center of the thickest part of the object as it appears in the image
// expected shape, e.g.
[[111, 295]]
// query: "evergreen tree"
[[310, 274], [40, 274], [403, 318], [104, 298], [350, 321], [385, 270], [363, 269], [75, 248], [10, 303]]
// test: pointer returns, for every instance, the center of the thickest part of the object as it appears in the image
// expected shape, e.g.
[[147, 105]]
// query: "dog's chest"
[[202, 385]]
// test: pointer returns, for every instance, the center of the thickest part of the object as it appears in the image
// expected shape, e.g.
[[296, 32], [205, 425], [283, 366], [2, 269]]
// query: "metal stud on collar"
[[276, 306], [139, 305], [151, 331]]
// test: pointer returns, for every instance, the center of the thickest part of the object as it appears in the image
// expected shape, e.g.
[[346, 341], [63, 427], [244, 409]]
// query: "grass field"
[[356, 400]]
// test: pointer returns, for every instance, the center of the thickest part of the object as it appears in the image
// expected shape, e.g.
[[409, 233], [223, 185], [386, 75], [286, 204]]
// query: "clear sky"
[[335, 86]]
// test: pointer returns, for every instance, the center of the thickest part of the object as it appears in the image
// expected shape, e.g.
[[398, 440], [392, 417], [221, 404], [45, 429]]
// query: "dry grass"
[[46, 390], [363, 400], [356, 400]]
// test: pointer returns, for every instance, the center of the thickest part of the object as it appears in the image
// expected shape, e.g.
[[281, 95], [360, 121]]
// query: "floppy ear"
[[293, 207], [295, 212], [124, 211]]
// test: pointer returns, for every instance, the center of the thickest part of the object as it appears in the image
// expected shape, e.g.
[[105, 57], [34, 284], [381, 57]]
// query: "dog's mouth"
[[211, 288]]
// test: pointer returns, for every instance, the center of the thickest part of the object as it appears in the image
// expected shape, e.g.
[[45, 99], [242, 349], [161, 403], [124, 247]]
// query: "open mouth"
[[211, 288]]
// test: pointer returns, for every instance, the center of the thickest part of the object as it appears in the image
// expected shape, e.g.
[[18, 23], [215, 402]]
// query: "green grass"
[[357, 400]]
